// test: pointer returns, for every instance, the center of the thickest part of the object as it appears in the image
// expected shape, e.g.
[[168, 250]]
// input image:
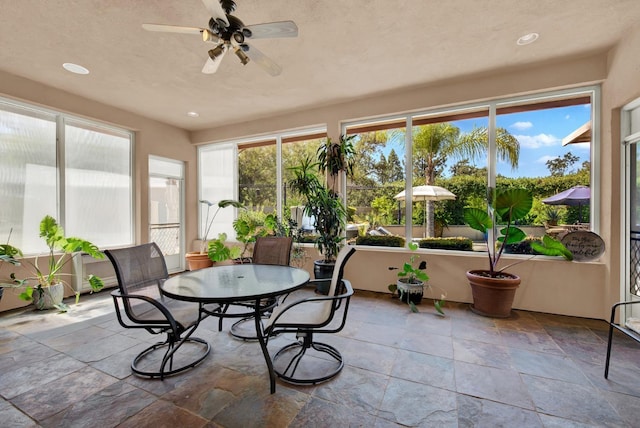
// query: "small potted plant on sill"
[[48, 291], [411, 282], [200, 259], [494, 289]]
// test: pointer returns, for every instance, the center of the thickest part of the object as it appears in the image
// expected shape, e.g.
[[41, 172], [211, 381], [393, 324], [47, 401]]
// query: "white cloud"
[[546, 158], [521, 126], [537, 141], [567, 117]]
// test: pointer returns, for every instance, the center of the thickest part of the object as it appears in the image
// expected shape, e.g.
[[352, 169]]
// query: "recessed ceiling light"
[[75, 68], [527, 39], [193, 114]]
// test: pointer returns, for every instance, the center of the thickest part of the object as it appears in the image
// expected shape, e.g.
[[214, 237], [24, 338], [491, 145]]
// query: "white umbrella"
[[427, 193]]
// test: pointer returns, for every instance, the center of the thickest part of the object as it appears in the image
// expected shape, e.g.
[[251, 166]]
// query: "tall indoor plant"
[[494, 289], [48, 291], [323, 202]]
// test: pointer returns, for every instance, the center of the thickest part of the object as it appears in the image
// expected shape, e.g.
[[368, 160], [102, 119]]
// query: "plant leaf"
[[477, 219], [552, 247], [513, 204], [515, 235]]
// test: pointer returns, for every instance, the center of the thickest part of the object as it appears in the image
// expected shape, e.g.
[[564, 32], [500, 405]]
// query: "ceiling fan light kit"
[[228, 31]]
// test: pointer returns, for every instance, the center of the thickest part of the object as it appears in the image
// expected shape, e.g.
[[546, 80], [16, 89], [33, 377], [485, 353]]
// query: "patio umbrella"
[[427, 193], [575, 196]]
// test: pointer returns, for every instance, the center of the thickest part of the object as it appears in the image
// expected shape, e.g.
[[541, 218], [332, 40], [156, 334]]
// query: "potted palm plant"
[[323, 202], [48, 291], [494, 289], [200, 259]]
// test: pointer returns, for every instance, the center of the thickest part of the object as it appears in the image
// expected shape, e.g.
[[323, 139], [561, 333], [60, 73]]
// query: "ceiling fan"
[[229, 33]]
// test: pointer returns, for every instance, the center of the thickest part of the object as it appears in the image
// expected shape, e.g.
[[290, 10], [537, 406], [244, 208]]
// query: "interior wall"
[[621, 87]]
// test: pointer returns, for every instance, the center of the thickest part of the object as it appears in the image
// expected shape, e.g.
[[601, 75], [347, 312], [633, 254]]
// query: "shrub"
[[381, 241], [461, 244]]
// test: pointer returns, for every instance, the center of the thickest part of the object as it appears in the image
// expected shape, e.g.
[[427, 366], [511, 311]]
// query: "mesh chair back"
[[272, 250], [140, 270]]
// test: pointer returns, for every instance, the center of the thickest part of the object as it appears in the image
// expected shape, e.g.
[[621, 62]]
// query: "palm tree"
[[433, 144]]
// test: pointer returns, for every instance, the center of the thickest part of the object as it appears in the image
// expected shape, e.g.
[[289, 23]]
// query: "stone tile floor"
[[402, 369]]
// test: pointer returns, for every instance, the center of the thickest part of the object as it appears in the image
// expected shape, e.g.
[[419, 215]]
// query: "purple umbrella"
[[574, 196]]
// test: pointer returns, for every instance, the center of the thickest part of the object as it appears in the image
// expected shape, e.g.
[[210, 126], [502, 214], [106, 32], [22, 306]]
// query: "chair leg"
[[172, 346], [300, 351], [609, 342]]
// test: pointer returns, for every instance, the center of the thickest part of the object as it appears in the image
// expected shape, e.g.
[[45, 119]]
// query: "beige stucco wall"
[[585, 289]]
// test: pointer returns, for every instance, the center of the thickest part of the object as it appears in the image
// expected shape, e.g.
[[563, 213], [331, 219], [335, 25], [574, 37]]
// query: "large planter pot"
[[410, 291], [492, 297], [323, 270], [48, 297], [197, 261]]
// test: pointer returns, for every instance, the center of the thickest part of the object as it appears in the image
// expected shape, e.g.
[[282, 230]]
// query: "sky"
[[540, 135]]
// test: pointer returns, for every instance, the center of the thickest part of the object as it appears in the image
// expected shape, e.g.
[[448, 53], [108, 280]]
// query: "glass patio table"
[[234, 283]]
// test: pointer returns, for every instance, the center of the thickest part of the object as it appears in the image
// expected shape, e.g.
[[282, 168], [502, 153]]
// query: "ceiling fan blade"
[[211, 66], [215, 10], [263, 61], [171, 28], [271, 30]]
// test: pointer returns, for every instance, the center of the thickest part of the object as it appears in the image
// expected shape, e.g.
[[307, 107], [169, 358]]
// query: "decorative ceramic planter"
[[410, 292], [492, 297], [197, 261], [48, 297]]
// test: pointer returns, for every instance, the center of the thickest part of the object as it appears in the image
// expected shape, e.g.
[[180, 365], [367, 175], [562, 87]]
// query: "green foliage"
[[218, 251], [335, 157], [460, 243], [381, 241], [208, 222], [57, 242], [508, 206]]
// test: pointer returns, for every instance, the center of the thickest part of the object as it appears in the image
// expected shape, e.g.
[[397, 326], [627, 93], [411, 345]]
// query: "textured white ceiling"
[[345, 49]]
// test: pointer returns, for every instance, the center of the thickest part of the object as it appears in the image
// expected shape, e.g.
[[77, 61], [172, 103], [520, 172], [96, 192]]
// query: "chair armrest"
[[617, 305], [158, 305], [287, 306]]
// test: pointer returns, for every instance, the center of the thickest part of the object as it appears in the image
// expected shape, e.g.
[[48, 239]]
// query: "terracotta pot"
[[49, 297], [197, 261], [492, 297], [410, 292]]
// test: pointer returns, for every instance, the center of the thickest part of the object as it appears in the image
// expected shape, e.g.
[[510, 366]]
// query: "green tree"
[[396, 171], [434, 144], [560, 165]]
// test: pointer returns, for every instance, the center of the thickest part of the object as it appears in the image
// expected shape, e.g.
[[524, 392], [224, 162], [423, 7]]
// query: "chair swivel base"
[[307, 371], [245, 328], [162, 354]]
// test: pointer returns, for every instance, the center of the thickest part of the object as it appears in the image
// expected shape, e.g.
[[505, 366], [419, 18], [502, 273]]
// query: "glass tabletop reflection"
[[234, 282]]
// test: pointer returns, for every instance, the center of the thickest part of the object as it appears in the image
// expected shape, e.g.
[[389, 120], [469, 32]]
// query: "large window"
[[541, 143], [76, 171], [263, 174]]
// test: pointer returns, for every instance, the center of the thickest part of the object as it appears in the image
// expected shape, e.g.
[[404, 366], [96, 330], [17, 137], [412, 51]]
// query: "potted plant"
[[494, 289], [200, 259], [218, 251], [48, 291], [249, 226], [411, 282], [323, 202]]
